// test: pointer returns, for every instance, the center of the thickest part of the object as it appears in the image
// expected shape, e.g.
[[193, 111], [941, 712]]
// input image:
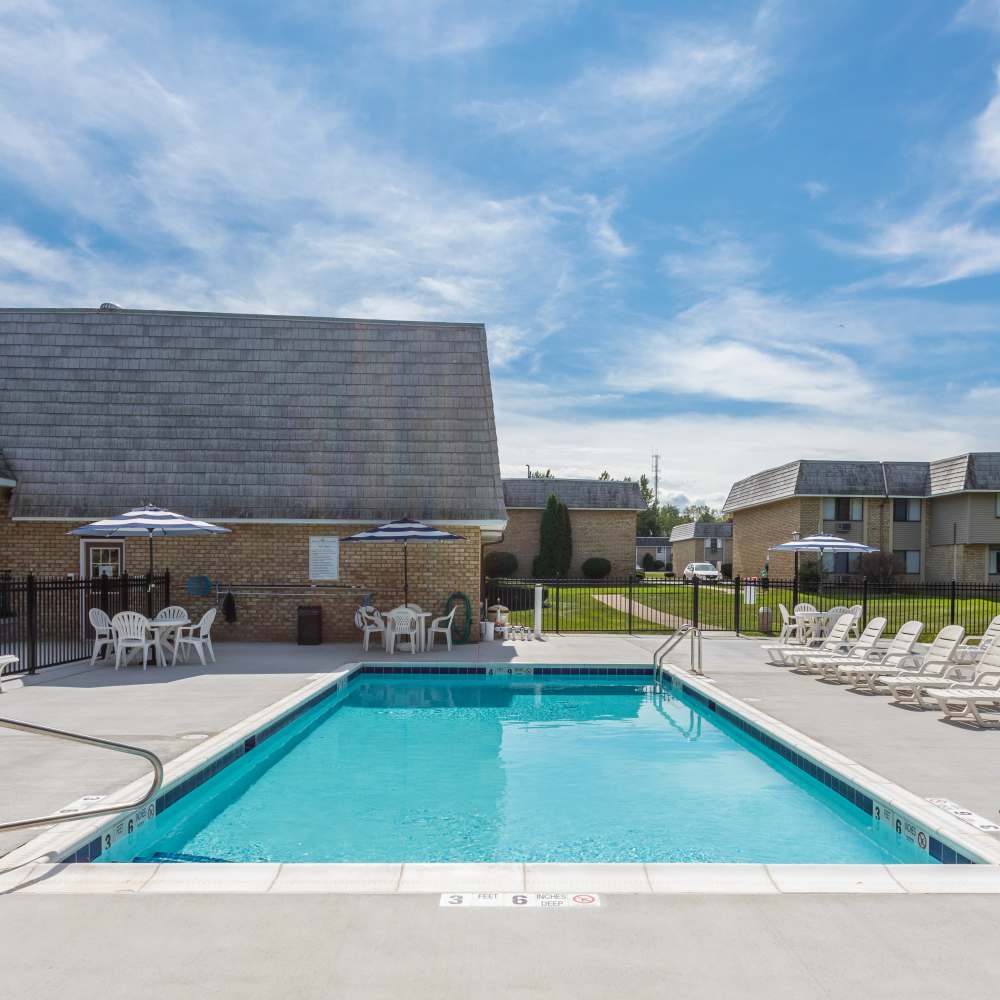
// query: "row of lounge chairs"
[[959, 679]]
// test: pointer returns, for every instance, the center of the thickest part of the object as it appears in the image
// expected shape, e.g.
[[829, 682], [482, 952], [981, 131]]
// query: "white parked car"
[[701, 571]]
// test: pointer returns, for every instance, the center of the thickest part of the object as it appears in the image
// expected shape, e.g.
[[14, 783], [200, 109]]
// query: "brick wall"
[[265, 553], [607, 533], [940, 563], [757, 528], [688, 550]]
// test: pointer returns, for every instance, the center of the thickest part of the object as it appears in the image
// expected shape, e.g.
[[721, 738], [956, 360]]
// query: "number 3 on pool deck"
[[455, 900], [519, 900]]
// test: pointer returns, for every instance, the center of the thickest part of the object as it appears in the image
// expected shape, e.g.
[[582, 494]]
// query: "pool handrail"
[[685, 631], [61, 734]]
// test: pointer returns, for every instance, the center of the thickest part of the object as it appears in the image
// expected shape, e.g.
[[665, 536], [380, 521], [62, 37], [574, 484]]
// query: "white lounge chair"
[[814, 662], [936, 662], [834, 643], [369, 622], [401, 622], [131, 632], [197, 637], [855, 610], [962, 702], [967, 653], [103, 637], [901, 644], [441, 626], [7, 660]]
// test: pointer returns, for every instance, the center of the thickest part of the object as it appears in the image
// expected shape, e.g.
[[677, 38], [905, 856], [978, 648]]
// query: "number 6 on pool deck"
[[520, 900]]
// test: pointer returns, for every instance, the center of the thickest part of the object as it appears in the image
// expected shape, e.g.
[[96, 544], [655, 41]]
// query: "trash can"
[[486, 628], [310, 631], [764, 620]]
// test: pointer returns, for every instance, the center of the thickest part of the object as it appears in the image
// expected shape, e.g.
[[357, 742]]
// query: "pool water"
[[477, 769]]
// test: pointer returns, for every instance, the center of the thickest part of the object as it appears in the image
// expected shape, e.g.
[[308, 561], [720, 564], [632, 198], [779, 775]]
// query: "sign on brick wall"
[[324, 558]]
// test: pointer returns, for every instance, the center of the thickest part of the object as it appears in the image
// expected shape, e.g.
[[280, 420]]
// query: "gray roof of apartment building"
[[577, 494], [652, 540], [973, 471], [246, 416], [701, 529]]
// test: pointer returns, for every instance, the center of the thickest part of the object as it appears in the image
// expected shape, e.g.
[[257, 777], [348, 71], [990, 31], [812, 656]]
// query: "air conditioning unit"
[[844, 526]]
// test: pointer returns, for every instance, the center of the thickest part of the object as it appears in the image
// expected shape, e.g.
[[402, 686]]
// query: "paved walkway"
[[620, 602]]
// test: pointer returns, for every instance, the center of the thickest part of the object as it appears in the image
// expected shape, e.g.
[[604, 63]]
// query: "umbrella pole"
[[149, 580], [406, 578]]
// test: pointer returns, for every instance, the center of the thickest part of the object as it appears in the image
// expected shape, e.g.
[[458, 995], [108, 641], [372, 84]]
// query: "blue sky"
[[732, 233]]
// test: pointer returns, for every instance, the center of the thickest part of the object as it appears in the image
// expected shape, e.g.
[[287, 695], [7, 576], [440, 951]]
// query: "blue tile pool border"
[[94, 847]]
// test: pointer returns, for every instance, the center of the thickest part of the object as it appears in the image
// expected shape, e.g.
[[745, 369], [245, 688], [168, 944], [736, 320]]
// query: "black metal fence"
[[44, 621], [741, 606]]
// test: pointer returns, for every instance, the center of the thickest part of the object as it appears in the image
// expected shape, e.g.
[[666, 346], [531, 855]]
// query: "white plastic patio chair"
[[790, 629], [441, 626], [103, 637], [935, 663], [197, 637], [131, 632], [414, 607], [401, 622], [174, 613], [968, 653], [823, 625], [815, 662], [369, 622]]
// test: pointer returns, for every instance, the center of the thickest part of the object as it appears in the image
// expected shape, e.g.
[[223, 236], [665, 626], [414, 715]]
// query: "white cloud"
[[418, 29], [979, 14], [674, 91], [815, 189], [713, 260]]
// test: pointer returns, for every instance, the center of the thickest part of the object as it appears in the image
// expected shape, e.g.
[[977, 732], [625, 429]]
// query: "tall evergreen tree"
[[546, 563]]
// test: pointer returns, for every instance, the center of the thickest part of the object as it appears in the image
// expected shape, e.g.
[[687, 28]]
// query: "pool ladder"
[[684, 632], [93, 741]]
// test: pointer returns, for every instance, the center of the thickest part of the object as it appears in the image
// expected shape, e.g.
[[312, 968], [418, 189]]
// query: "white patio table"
[[162, 632]]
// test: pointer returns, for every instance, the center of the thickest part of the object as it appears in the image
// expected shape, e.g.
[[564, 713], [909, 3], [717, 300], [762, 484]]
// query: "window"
[[840, 562], [996, 509], [843, 509], [906, 510], [713, 545], [994, 566], [907, 561]]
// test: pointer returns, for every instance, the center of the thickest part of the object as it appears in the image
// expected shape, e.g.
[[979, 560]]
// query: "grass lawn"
[[577, 608]]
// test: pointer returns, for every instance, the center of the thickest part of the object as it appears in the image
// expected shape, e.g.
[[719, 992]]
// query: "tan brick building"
[[602, 517], [286, 430], [702, 542], [940, 519]]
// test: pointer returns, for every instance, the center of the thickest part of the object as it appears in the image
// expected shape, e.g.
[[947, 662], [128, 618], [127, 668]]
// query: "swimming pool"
[[443, 768]]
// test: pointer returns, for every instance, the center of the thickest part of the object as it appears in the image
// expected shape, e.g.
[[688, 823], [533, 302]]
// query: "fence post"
[[795, 591], [864, 601], [149, 595], [630, 579], [694, 604], [123, 580], [558, 595], [951, 618], [31, 608], [166, 588], [737, 588]]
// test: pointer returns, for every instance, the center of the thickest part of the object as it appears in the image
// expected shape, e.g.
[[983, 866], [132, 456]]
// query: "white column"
[[538, 611]]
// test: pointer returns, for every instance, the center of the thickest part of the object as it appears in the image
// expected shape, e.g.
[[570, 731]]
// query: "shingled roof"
[[6, 476], [973, 471], [701, 529], [247, 417], [577, 494]]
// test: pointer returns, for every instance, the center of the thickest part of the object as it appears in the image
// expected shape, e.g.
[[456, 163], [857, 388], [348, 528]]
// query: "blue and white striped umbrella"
[[147, 522], [822, 543], [404, 530]]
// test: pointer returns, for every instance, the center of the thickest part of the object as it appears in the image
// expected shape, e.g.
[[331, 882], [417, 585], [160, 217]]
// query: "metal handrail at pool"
[[94, 741], [685, 631]]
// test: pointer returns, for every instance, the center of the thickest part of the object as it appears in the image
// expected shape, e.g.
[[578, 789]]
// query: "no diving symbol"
[[584, 897]]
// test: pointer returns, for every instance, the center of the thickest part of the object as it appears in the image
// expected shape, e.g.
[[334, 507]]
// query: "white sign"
[[525, 900], [324, 558]]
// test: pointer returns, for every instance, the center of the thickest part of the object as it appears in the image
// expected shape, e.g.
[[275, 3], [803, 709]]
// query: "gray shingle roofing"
[[239, 416], [6, 476], [701, 529], [577, 494], [652, 540], [974, 471]]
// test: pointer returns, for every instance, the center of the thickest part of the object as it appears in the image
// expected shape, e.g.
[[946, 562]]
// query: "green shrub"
[[809, 576], [647, 560], [727, 570], [596, 568], [500, 564], [545, 564], [657, 565]]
